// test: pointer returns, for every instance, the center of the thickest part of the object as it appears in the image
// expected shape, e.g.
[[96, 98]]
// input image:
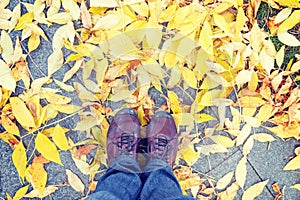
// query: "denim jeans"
[[124, 180]]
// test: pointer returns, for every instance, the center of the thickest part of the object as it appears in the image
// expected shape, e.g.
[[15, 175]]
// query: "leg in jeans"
[[120, 182], [158, 178], [160, 182], [122, 179]]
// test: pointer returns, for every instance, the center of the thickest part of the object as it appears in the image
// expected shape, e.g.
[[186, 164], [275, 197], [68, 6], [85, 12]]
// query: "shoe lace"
[[161, 147], [126, 143]]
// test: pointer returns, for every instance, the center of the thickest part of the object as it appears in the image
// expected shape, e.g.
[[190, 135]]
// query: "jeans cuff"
[[155, 164], [126, 164]]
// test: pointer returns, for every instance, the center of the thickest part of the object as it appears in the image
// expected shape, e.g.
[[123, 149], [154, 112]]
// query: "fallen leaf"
[[85, 16], [222, 140], [263, 137], [20, 159], [229, 193], [47, 148], [75, 181], [243, 135], [20, 193], [254, 191], [288, 39], [282, 15], [6, 78], [59, 138], [248, 146], [37, 176], [189, 155], [293, 164], [21, 112], [241, 172], [47, 191], [296, 186], [224, 181], [73, 70]]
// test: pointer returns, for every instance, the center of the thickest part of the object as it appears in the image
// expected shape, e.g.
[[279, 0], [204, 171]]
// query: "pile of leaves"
[[197, 55]]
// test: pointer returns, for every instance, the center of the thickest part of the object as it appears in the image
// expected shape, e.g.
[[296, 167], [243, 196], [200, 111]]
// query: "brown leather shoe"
[[162, 138], [123, 135]]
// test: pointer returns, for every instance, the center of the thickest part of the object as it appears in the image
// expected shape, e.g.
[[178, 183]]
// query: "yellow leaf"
[[15, 17], [266, 61], [59, 138], [7, 47], [189, 77], [224, 181], [8, 196], [243, 76], [122, 46], [248, 146], [85, 16], [106, 22], [141, 8], [251, 102], [72, 7], [73, 70], [217, 78], [222, 140], [280, 56], [255, 190], [47, 148], [168, 14], [5, 24], [6, 78], [288, 39], [170, 59], [222, 24], [55, 61], [9, 126], [282, 15], [263, 137], [37, 176], [265, 112], [244, 133], [20, 193], [293, 164], [183, 119], [75, 181], [21, 112], [229, 193], [290, 22], [175, 77], [240, 20], [86, 123], [47, 191], [24, 20], [66, 108], [56, 98], [20, 160], [60, 18], [64, 86], [33, 42], [201, 118], [37, 30], [103, 3], [213, 148], [189, 155], [289, 3], [241, 172], [205, 39], [4, 3], [174, 102], [54, 8], [82, 166], [296, 186]]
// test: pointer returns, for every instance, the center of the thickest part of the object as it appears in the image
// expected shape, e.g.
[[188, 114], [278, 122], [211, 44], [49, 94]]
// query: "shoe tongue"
[[126, 124]]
